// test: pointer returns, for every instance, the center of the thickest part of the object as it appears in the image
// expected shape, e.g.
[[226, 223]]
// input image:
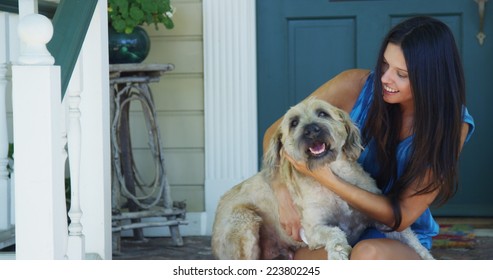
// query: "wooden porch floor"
[[198, 247]]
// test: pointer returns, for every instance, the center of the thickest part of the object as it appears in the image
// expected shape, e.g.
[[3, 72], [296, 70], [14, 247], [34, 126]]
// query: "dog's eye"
[[294, 122], [323, 114]]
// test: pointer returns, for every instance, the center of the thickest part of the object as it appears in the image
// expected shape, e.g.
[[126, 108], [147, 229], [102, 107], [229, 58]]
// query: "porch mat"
[[455, 236]]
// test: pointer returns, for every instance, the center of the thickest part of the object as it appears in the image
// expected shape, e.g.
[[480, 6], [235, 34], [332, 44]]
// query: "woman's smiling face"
[[395, 79]]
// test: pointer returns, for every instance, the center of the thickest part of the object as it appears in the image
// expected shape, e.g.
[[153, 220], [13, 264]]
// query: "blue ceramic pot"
[[128, 48]]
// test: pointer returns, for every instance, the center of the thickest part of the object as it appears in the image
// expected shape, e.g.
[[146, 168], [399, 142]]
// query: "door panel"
[[302, 44]]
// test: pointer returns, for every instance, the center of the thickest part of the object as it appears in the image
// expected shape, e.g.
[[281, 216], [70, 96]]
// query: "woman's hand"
[[288, 214], [323, 174]]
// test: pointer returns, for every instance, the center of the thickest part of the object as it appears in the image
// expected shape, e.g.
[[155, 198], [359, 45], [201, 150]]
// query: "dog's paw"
[[339, 252]]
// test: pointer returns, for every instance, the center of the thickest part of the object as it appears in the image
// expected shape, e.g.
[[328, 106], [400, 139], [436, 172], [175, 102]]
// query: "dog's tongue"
[[317, 148]]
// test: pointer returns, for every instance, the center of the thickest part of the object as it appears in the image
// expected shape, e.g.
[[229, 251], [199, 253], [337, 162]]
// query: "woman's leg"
[[382, 249], [368, 249], [307, 254]]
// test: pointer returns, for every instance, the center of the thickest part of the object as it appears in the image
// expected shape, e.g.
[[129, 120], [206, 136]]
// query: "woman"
[[412, 115]]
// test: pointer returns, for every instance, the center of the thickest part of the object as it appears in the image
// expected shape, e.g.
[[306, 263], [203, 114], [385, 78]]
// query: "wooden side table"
[[130, 82]]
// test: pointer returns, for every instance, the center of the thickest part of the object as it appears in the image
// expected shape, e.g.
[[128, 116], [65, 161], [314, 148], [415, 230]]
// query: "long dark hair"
[[437, 84]]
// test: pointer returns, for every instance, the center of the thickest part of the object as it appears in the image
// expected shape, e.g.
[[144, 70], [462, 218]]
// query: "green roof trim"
[[70, 24]]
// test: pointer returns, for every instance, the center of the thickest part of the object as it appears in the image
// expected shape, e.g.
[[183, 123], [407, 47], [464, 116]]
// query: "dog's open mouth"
[[317, 149]]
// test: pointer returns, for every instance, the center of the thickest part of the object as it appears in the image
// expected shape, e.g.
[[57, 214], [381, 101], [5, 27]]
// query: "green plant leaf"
[[124, 15], [11, 150], [137, 14], [168, 23], [119, 25], [149, 6]]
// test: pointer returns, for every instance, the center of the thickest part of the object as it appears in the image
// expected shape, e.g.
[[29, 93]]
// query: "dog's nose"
[[312, 130]]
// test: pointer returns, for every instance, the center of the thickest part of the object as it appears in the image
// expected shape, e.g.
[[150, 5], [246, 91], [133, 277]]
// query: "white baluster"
[[12, 20], [95, 178], [12, 191], [4, 148], [27, 7], [76, 246], [64, 154], [6, 187], [63, 125]]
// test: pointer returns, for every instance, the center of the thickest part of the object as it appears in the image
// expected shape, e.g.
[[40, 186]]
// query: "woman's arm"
[[289, 217], [377, 206]]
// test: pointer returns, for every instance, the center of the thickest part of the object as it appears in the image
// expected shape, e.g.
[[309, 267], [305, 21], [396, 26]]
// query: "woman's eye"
[[402, 76], [384, 67]]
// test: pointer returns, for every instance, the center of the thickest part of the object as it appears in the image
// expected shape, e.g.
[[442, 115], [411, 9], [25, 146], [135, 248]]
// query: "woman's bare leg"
[[383, 249], [369, 249], [307, 254]]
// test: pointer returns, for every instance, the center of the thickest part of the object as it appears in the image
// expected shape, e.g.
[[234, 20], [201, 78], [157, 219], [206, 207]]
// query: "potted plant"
[[125, 15], [128, 42]]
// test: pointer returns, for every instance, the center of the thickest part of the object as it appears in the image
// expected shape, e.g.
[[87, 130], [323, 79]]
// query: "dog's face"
[[318, 133]]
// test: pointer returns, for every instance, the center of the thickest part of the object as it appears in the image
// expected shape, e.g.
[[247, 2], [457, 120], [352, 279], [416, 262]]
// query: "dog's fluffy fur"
[[247, 223]]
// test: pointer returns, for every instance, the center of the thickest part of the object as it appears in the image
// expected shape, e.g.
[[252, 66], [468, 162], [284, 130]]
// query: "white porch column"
[[230, 100], [41, 222]]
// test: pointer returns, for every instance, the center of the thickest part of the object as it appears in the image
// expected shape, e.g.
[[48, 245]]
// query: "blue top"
[[425, 226]]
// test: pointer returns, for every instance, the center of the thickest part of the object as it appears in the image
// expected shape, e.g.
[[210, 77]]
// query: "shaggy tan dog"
[[247, 224]]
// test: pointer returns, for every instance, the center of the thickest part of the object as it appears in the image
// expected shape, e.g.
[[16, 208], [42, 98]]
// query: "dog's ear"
[[352, 148], [272, 156]]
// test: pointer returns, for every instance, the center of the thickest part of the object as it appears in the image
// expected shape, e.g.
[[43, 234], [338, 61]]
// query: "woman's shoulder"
[[343, 90], [352, 79], [354, 74]]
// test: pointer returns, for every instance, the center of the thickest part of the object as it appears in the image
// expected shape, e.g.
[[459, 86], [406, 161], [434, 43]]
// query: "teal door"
[[302, 44]]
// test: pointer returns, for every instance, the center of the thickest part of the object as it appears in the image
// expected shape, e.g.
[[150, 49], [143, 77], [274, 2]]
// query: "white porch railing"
[[7, 221], [43, 125]]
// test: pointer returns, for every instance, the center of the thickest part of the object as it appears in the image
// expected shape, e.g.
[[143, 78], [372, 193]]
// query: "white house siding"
[[179, 99]]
